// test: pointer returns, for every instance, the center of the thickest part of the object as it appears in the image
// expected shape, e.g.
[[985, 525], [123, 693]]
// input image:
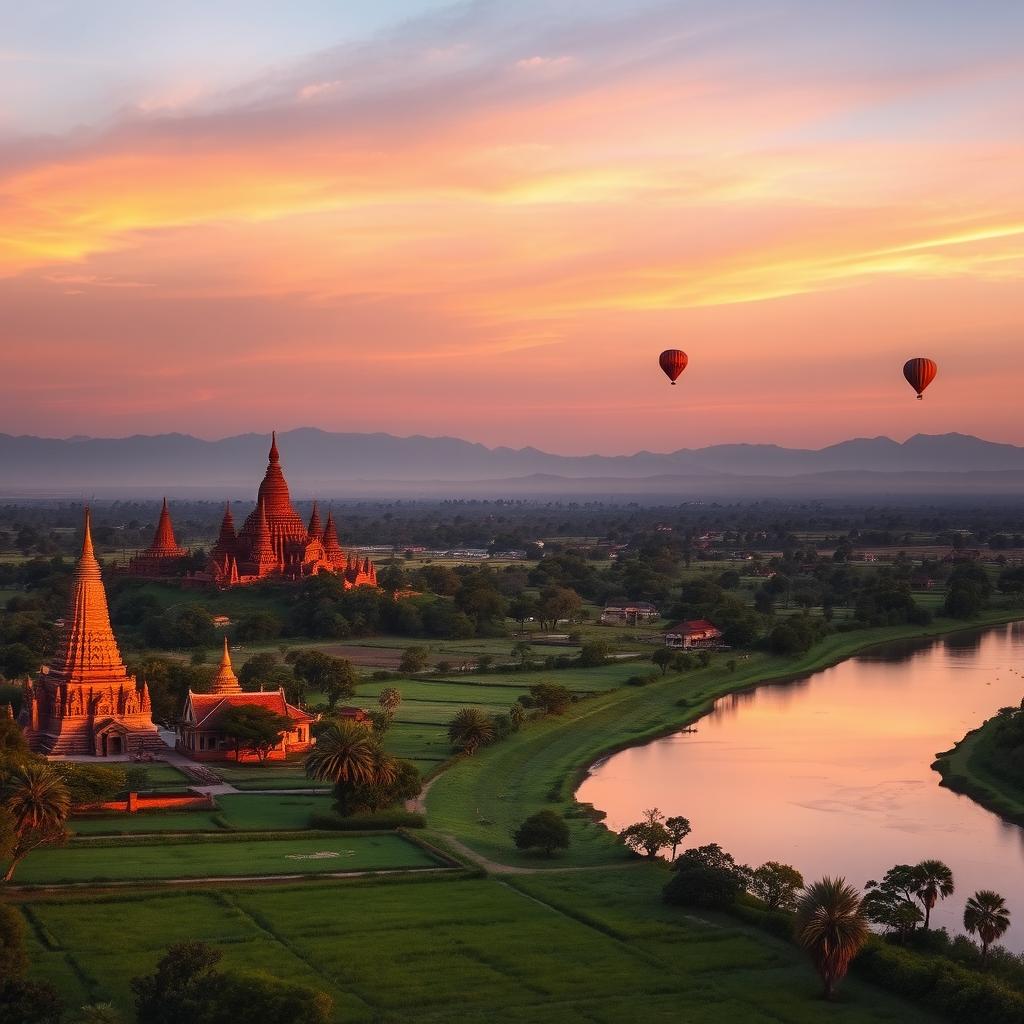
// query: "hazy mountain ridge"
[[331, 463]]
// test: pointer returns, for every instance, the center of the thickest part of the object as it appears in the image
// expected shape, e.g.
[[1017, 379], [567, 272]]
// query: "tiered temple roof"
[[85, 702], [164, 555], [275, 542]]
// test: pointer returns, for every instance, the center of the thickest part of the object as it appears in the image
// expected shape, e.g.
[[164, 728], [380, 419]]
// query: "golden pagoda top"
[[225, 681]]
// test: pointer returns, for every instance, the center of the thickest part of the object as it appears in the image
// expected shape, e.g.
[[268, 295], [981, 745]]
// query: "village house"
[[628, 613], [693, 634]]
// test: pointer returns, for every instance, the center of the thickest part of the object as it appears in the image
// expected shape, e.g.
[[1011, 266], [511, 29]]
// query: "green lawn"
[[254, 812], [584, 947], [100, 861], [272, 775]]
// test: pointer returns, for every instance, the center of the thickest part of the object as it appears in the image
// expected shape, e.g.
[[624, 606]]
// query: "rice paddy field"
[[242, 811], [143, 860], [579, 947]]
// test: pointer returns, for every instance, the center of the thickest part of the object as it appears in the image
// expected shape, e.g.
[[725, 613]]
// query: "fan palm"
[[935, 882], [470, 729], [986, 913], [344, 752], [831, 927], [39, 803]]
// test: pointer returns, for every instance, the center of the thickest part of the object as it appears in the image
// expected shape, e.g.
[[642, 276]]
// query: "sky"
[[487, 219]]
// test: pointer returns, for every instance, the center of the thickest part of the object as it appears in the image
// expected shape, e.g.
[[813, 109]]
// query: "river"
[[831, 772]]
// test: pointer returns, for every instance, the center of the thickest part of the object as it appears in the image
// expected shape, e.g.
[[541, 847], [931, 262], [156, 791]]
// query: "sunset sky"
[[487, 219]]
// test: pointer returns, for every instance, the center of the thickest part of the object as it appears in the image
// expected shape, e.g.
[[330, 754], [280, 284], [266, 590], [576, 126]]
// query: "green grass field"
[[583, 947], [124, 860], [254, 812]]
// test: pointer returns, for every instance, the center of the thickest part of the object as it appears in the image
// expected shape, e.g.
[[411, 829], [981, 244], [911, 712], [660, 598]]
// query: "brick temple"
[[84, 701], [274, 542], [164, 557]]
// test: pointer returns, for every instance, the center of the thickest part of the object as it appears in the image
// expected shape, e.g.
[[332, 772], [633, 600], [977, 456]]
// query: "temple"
[[201, 732], [274, 542], [84, 701], [163, 557]]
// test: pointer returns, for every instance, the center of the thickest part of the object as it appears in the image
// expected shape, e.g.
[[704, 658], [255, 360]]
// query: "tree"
[[594, 653], [557, 603], [551, 698], [663, 657], [986, 915], [177, 990], [390, 699], [470, 729], [776, 885], [678, 829], [523, 653], [187, 987], [38, 802], [545, 830], [649, 835], [414, 659], [521, 609], [29, 1002], [831, 927], [705, 876], [395, 780], [334, 677], [935, 882], [254, 728], [345, 752]]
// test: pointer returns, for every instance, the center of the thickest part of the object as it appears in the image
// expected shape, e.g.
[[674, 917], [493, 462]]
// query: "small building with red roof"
[[693, 633], [201, 736]]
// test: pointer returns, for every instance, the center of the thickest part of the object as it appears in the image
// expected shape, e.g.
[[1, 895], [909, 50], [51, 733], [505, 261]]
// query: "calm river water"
[[831, 773]]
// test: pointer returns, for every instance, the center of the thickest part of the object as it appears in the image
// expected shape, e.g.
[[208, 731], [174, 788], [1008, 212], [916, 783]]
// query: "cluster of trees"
[[1002, 748], [366, 778], [473, 728]]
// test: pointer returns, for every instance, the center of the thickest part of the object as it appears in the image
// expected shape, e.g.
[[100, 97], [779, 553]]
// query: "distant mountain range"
[[333, 465]]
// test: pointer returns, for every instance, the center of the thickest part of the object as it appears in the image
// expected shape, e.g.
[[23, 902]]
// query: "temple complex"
[[275, 542], [201, 733], [84, 701], [163, 557]]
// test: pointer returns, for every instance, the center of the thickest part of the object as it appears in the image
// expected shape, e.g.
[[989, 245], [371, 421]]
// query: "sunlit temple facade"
[[84, 701]]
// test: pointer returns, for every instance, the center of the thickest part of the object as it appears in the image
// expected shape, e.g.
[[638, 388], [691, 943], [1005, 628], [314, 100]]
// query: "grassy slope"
[[481, 800], [963, 770], [183, 858], [475, 950]]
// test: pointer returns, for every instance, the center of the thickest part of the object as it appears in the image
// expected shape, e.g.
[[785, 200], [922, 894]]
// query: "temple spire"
[[274, 454], [88, 650], [316, 530], [164, 544], [225, 681]]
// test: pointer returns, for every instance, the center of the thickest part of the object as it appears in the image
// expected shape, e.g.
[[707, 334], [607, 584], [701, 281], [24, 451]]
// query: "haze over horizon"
[[485, 220]]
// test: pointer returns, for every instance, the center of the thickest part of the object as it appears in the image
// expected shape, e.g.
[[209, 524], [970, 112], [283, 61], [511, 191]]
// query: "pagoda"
[[84, 701], [274, 542], [163, 557], [202, 735]]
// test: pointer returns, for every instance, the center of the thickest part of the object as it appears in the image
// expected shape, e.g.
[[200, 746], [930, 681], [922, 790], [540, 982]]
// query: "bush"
[[705, 876], [545, 831]]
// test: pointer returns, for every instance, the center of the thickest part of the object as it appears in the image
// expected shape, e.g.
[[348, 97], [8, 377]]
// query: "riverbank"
[[963, 769], [481, 800]]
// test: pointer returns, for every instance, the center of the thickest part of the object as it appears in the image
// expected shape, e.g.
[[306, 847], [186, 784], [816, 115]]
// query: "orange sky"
[[487, 222]]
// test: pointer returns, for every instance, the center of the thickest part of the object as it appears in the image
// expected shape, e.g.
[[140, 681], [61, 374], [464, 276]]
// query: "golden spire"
[[225, 681], [89, 650]]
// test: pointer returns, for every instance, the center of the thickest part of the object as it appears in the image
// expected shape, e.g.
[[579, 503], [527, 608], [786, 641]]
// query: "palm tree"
[[986, 913], [345, 752], [470, 729], [39, 803], [831, 927], [935, 882]]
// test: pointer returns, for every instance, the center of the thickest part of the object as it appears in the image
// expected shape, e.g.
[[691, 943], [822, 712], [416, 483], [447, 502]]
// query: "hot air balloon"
[[920, 372], [673, 362]]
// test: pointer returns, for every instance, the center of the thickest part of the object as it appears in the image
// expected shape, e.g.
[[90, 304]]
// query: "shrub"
[[705, 876], [545, 831]]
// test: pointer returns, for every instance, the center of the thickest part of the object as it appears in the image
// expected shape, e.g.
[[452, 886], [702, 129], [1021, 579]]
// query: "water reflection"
[[832, 772]]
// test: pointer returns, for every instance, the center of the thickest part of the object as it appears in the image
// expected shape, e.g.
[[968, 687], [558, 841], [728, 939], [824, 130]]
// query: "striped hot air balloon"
[[673, 361], [920, 372]]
